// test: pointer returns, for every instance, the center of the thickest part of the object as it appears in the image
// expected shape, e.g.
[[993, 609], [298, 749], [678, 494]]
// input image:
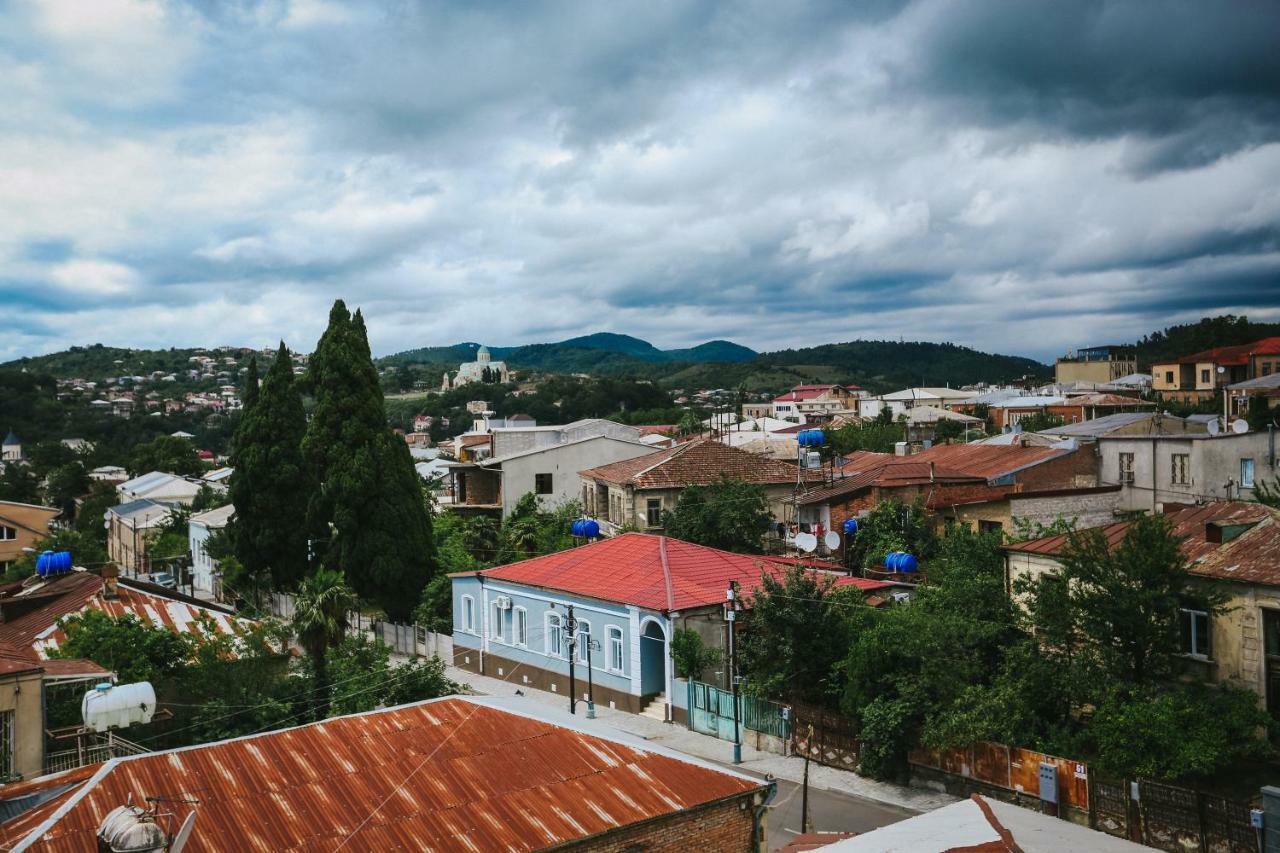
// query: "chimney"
[[110, 582], [901, 448], [931, 478], [1212, 533]]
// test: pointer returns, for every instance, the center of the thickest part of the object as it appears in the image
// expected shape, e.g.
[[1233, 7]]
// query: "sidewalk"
[[709, 748]]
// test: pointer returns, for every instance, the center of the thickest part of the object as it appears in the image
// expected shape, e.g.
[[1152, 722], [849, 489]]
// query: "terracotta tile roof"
[[455, 773], [1253, 556], [988, 460], [655, 572], [893, 472], [1234, 355], [800, 393], [694, 463]]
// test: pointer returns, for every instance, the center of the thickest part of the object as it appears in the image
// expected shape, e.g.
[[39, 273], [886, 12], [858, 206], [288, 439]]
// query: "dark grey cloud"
[[1020, 176]]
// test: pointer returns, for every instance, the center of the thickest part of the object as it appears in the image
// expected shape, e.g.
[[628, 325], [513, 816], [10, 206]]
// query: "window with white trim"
[[1246, 473], [496, 623], [468, 614], [1126, 467], [520, 626], [8, 533], [553, 642], [615, 648], [584, 637], [1194, 628]]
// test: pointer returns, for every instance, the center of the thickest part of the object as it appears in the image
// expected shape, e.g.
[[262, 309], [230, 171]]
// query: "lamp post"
[[592, 644], [730, 615]]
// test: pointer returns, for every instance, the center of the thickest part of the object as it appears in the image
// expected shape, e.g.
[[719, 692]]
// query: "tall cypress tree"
[[370, 492], [272, 483]]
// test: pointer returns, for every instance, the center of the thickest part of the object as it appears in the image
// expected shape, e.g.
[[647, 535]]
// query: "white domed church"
[[475, 371]]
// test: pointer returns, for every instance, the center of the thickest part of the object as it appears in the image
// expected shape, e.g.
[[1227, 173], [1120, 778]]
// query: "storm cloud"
[[1022, 177]]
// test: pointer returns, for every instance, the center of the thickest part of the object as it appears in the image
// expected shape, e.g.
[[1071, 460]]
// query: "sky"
[[1022, 177]]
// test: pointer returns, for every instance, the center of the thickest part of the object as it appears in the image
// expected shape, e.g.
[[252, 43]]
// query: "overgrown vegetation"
[[729, 514]]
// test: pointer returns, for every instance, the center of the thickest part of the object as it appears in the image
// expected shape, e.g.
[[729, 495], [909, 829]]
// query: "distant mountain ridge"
[[580, 354]]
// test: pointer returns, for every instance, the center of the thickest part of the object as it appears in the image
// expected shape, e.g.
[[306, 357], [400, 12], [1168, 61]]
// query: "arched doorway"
[[653, 659]]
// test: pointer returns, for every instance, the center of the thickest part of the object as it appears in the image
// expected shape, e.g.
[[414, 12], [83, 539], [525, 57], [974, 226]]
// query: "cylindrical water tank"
[[591, 528], [53, 563], [575, 529], [907, 563], [118, 706], [850, 526]]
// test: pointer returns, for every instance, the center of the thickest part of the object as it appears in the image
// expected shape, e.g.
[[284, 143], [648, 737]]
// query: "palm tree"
[[320, 621]]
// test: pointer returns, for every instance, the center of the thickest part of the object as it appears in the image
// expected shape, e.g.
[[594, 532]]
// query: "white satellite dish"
[[832, 540], [806, 542], [1240, 427], [184, 833], [1214, 428]]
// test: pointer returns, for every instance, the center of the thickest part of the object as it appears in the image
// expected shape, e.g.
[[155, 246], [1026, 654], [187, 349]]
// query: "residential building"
[[753, 411], [160, 486], [1128, 423], [1267, 387], [109, 474], [922, 422], [1190, 468], [1008, 413], [11, 449], [22, 526], [908, 398], [634, 493], [810, 403], [497, 483], [629, 593], [1203, 375], [480, 772], [1231, 546], [981, 824], [22, 722], [129, 527], [205, 576], [1002, 510], [1100, 364]]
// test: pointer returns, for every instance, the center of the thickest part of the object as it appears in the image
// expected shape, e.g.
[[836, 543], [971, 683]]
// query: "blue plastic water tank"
[[575, 529], [907, 563], [850, 526], [53, 563], [591, 528], [811, 438]]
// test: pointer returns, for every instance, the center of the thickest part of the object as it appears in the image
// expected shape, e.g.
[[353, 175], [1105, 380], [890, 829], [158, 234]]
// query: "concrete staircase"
[[656, 709]]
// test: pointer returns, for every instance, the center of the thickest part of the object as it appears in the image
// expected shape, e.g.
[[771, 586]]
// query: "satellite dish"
[[1214, 428], [1221, 369], [184, 834], [832, 540], [806, 542], [1240, 427]]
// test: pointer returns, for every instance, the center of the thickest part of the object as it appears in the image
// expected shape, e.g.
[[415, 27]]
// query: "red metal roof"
[[694, 463], [800, 393], [894, 472], [987, 460], [655, 572], [449, 774]]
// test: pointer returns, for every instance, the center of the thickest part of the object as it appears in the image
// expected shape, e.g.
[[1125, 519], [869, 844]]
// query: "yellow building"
[[22, 526], [1098, 365]]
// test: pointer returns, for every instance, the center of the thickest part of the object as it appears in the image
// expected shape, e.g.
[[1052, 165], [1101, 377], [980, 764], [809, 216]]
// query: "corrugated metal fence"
[[711, 712]]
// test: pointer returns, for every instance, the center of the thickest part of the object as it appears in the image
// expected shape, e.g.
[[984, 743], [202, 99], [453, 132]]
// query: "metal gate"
[[1171, 818], [711, 710]]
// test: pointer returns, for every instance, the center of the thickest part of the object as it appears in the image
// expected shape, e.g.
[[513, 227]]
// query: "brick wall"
[[1089, 510], [724, 826], [1076, 470]]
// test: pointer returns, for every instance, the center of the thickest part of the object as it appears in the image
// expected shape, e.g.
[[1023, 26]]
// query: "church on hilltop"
[[483, 369]]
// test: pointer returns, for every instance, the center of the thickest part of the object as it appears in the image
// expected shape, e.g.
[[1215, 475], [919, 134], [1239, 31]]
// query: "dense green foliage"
[[691, 656], [370, 494], [166, 453], [729, 514], [876, 437], [1208, 332], [271, 484], [1038, 421], [320, 623]]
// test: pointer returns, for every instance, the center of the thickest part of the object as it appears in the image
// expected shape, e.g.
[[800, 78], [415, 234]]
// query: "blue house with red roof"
[[629, 594]]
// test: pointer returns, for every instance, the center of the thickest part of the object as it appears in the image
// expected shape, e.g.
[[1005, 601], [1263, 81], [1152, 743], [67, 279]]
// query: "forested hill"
[[1209, 332]]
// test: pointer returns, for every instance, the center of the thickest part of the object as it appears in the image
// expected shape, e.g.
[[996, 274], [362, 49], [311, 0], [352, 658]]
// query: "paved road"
[[829, 811]]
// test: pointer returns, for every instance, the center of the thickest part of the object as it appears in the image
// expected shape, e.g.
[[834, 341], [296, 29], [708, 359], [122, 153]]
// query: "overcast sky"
[[1016, 176]]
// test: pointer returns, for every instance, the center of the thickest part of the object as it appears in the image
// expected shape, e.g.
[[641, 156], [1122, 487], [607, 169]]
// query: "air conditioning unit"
[[502, 602], [901, 597]]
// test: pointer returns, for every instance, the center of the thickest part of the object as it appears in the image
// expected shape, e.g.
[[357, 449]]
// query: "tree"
[[729, 514], [690, 424], [129, 647], [1040, 421], [166, 453], [876, 437], [89, 521], [320, 621], [64, 485], [891, 526], [949, 428], [272, 483], [692, 657], [792, 636], [370, 492], [18, 484]]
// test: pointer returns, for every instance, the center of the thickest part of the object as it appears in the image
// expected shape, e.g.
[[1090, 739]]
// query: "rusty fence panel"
[[1010, 768], [833, 741]]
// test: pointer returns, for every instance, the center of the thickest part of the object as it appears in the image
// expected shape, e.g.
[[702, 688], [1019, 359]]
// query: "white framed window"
[[520, 626], [1246, 473], [1179, 476], [1126, 467], [584, 637], [468, 614], [615, 648], [8, 533], [496, 625], [553, 642], [1194, 628]]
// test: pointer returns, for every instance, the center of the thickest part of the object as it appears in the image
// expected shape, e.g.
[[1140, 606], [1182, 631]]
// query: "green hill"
[[1209, 332]]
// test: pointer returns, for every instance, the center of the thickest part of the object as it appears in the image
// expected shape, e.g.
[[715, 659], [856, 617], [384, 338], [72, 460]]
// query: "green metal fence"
[[711, 712]]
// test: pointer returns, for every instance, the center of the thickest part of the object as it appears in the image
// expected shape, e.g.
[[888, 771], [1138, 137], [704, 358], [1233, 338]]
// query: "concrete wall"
[[1092, 509], [1213, 464], [22, 694], [1236, 645], [562, 462], [18, 517], [202, 565]]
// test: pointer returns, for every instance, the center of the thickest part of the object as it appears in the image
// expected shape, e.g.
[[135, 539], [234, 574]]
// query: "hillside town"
[[759, 591], [640, 427]]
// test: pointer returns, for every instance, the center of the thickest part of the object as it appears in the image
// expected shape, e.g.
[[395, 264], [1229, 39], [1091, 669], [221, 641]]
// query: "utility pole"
[[571, 625], [804, 793], [591, 695], [730, 615]]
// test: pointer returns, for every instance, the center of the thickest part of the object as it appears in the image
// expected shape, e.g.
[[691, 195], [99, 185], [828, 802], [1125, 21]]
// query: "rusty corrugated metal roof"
[[458, 773]]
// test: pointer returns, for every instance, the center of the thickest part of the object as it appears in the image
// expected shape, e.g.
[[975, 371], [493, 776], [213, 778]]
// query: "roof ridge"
[[668, 455], [666, 573]]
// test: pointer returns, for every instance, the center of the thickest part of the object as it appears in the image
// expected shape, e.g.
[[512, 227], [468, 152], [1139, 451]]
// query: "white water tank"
[[118, 706]]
